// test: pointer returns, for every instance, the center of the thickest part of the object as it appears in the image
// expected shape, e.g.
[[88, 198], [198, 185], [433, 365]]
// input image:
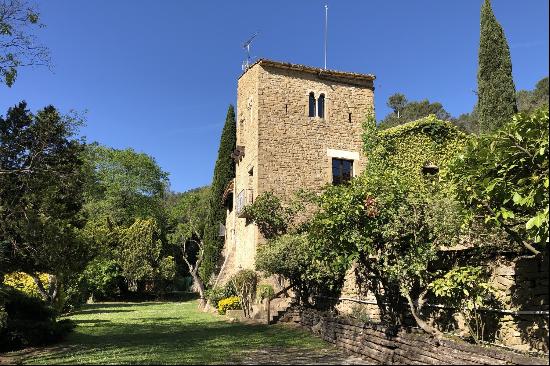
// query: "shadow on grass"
[[92, 321], [155, 341], [111, 307]]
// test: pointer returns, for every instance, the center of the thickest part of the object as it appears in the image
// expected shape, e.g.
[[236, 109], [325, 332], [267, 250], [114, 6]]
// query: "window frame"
[[312, 106], [341, 179]]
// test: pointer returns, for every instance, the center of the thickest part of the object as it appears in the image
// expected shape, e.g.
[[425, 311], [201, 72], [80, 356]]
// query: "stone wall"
[[518, 319], [382, 345], [285, 149], [293, 147]]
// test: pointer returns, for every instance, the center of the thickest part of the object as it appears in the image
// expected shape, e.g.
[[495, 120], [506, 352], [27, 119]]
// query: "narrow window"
[[349, 117], [311, 104], [342, 171], [286, 108], [321, 106]]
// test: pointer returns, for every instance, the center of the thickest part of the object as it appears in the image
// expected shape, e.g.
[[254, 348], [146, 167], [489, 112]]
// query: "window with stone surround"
[[311, 104], [342, 170], [321, 106]]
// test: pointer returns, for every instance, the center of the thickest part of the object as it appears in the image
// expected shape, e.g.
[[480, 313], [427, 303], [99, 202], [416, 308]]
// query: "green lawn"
[[165, 332]]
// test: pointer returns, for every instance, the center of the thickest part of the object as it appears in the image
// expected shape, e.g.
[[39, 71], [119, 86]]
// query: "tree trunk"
[[49, 295], [200, 286], [415, 311]]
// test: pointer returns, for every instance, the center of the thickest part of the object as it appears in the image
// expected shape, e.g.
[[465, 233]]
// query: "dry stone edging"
[[386, 345]]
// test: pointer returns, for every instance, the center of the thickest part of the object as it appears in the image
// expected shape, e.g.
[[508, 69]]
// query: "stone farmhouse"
[[297, 127]]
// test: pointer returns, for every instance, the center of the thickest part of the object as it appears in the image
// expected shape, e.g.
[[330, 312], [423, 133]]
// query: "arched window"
[[311, 104], [321, 106]]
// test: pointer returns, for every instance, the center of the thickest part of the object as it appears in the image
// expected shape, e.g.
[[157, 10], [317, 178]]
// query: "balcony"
[[244, 198]]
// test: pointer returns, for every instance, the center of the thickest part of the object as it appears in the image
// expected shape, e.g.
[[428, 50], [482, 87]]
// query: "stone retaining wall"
[[519, 318], [382, 345]]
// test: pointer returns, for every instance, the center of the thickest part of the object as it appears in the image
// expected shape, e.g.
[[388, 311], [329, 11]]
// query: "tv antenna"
[[246, 46], [326, 33]]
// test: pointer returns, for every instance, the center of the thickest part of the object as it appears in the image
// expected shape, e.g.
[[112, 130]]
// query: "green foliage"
[[102, 277], [504, 177], [18, 45], [24, 283], [301, 262], [230, 303], [407, 148], [224, 172], [405, 111], [393, 219], [167, 268], [216, 293], [244, 282], [28, 321], [466, 288], [531, 100], [264, 291], [269, 214], [187, 215], [141, 253], [42, 174], [125, 185], [495, 85]]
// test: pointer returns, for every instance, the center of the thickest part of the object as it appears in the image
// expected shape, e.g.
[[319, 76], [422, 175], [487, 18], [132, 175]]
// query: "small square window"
[[342, 171]]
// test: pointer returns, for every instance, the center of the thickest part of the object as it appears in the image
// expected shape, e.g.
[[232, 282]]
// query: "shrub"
[[217, 293], [74, 292], [230, 303], [102, 277], [264, 292], [24, 283], [28, 321], [244, 283]]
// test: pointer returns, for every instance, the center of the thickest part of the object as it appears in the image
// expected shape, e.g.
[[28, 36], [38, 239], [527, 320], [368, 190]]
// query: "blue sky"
[[158, 75]]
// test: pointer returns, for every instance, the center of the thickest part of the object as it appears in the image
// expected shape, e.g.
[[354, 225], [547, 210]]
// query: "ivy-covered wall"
[[410, 146]]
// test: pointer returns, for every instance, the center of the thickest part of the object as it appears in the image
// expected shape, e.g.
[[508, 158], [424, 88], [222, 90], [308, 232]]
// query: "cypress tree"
[[496, 90], [224, 172]]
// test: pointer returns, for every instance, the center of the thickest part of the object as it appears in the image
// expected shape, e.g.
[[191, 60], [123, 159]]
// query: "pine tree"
[[496, 90], [224, 171]]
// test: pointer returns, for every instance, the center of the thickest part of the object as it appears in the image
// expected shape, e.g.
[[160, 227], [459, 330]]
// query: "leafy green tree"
[[495, 85], [124, 193], [42, 174], [397, 102], [504, 178], [467, 289], [405, 111], [268, 213], [531, 100], [224, 172], [102, 278], [18, 45], [188, 215], [141, 253], [124, 185]]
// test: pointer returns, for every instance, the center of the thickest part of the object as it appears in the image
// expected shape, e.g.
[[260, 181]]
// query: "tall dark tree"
[[495, 85], [224, 172], [41, 195]]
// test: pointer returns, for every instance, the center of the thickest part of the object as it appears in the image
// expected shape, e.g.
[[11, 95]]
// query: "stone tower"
[[297, 127]]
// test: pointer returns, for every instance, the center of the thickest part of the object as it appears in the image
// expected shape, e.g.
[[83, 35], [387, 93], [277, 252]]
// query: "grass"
[[161, 333]]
